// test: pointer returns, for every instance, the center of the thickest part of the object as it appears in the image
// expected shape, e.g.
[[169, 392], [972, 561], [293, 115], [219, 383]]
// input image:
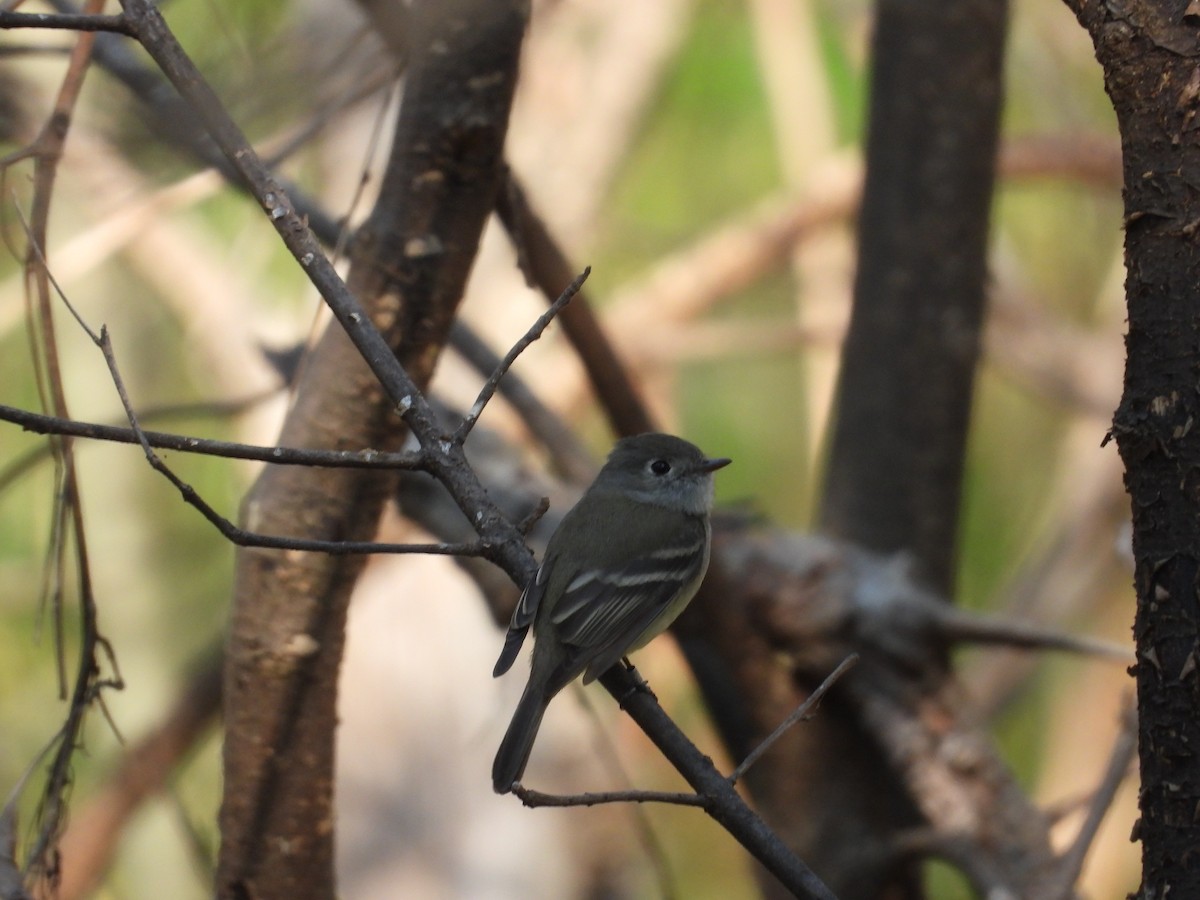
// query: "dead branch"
[[90, 840]]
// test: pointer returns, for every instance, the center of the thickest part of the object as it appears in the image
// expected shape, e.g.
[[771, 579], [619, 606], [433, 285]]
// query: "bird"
[[622, 565]]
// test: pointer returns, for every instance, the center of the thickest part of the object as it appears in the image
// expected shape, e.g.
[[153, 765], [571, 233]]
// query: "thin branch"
[[46, 151], [92, 837], [66, 22], [243, 537], [284, 456], [723, 803], [12, 885], [956, 626], [803, 711], [534, 799], [534, 332], [1123, 751], [567, 453], [234, 533], [35, 455]]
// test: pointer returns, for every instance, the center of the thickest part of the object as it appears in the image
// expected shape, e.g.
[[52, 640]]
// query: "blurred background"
[[703, 156]]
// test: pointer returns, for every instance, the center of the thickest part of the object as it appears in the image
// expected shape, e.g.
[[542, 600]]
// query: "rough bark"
[[1150, 53], [409, 265]]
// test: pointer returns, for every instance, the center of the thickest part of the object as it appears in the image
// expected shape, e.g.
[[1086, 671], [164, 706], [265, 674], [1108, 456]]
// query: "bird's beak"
[[711, 465]]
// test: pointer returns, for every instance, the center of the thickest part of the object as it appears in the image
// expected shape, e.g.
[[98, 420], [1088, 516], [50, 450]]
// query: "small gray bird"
[[625, 561]]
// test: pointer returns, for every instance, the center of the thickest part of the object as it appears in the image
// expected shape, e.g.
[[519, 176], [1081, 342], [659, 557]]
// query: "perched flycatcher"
[[623, 564]]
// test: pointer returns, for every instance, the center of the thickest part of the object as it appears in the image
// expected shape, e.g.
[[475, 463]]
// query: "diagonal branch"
[[250, 850]]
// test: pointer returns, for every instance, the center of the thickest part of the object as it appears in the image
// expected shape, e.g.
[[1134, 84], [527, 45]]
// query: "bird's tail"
[[518, 740]]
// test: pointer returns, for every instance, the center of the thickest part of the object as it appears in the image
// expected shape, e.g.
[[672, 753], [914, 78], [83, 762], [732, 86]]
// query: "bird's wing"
[[522, 618], [605, 612]]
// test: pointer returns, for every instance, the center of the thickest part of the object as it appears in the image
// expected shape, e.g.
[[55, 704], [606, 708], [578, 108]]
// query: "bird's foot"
[[639, 683]]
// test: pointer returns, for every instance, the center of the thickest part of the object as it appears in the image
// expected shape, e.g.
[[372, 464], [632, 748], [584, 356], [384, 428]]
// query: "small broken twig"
[[802, 711]]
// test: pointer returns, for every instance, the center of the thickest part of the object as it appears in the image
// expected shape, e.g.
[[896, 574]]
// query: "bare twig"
[[46, 152], [803, 711], [734, 815], [12, 886], [91, 838], [284, 456], [235, 534], [534, 799], [162, 106], [957, 626], [83, 22], [242, 537], [567, 452], [534, 332], [1115, 773]]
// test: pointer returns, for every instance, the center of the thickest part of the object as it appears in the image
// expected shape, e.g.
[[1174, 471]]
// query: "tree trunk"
[[1150, 53], [410, 263]]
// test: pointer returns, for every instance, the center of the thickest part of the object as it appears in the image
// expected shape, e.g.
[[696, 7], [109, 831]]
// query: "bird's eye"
[[660, 467]]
